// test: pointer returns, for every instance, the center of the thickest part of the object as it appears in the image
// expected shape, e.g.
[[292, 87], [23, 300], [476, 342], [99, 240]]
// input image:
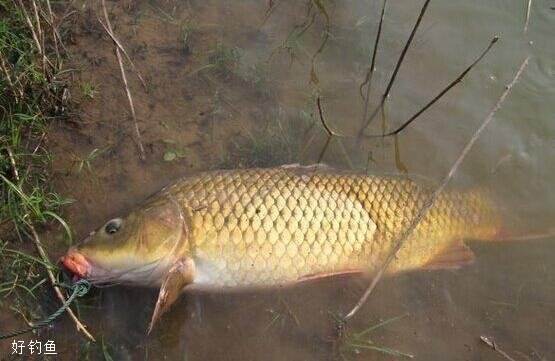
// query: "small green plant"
[[88, 89], [85, 163], [355, 343], [222, 61], [186, 31]]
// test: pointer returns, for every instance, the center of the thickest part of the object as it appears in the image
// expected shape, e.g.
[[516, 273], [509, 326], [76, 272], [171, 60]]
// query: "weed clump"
[[33, 93]]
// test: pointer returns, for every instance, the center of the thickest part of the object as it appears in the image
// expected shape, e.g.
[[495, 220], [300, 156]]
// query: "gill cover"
[[139, 248]]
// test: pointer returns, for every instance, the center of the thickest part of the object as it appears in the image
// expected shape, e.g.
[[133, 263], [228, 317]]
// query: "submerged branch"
[[491, 343], [368, 79], [398, 65], [431, 200], [439, 95], [528, 7]]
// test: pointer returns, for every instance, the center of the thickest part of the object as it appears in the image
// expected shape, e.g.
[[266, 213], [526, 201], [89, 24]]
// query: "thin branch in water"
[[439, 95], [120, 46], [417, 114], [491, 343], [398, 65], [528, 7], [271, 7], [108, 28], [433, 197], [330, 132], [323, 11], [370, 72]]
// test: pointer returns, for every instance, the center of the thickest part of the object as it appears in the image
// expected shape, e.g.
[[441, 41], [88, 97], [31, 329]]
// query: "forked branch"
[[439, 95], [397, 66]]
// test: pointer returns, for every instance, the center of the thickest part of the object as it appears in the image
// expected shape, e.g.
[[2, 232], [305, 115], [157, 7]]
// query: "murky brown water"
[[254, 105]]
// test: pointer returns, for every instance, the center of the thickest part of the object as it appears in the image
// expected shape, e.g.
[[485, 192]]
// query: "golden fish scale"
[[277, 225]]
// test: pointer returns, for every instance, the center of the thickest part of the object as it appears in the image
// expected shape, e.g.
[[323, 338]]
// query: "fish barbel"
[[275, 226]]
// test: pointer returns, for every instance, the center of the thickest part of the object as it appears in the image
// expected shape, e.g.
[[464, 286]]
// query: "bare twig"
[[38, 244], [17, 92], [80, 326], [370, 72], [31, 26], [440, 94], [108, 28], [398, 65], [331, 134], [12, 162], [110, 31], [406, 123], [491, 343], [431, 200], [528, 7], [118, 44], [55, 33]]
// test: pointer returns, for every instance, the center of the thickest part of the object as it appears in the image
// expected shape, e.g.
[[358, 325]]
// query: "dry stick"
[[439, 95], [398, 65], [38, 244], [527, 15], [118, 44], [17, 92], [12, 162], [31, 27], [491, 343], [108, 28], [40, 34], [429, 203], [370, 73], [416, 115], [55, 35], [80, 326]]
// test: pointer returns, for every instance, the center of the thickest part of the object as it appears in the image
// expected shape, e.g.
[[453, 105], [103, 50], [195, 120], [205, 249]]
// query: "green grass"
[[276, 141], [32, 89], [223, 61], [357, 342], [88, 89]]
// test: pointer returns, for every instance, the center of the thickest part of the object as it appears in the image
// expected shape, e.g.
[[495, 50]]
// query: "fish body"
[[265, 227], [274, 226]]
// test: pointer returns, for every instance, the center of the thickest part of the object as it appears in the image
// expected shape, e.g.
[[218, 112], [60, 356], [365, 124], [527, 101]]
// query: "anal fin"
[[317, 276], [455, 256]]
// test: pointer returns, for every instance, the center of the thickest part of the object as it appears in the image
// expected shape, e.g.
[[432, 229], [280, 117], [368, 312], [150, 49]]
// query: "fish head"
[[136, 249]]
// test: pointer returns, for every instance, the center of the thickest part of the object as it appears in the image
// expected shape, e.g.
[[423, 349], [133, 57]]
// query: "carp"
[[267, 227]]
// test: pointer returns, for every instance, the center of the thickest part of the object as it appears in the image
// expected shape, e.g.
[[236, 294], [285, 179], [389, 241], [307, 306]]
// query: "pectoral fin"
[[179, 276]]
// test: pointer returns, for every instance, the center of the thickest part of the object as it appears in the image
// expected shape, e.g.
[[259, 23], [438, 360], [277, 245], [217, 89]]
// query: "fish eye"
[[112, 226]]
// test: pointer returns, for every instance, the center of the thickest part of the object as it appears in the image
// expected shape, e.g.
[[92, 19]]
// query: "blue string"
[[79, 289]]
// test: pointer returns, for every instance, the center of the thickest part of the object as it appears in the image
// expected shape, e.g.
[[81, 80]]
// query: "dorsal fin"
[[455, 256]]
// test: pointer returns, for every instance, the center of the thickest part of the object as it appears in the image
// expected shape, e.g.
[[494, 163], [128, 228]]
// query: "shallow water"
[[254, 104]]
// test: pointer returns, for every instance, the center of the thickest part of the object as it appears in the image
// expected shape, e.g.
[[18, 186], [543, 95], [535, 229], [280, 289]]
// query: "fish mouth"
[[76, 263]]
